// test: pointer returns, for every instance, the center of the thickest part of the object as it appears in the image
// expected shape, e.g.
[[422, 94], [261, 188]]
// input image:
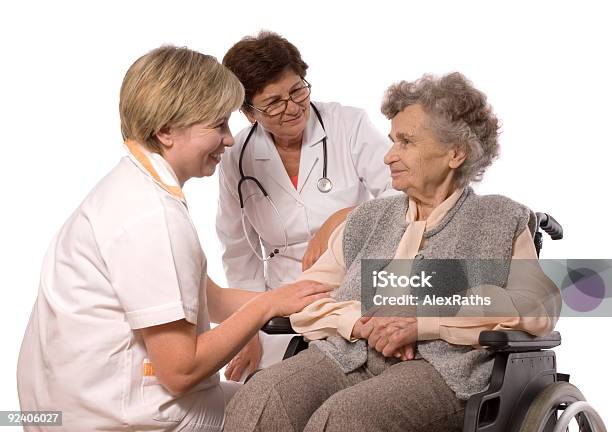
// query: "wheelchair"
[[525, 393]]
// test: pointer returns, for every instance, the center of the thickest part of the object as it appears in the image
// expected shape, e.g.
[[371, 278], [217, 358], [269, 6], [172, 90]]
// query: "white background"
[[544, 65]]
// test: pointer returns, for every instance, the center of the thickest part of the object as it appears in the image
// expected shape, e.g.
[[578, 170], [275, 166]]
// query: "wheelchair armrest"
[[516, 340], [278, 325]]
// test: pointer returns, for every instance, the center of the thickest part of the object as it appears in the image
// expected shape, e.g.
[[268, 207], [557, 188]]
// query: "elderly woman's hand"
[[391, 336], [405, 353]]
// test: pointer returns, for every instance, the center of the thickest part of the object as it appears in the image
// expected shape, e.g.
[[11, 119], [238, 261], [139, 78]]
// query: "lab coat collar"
[[314, 132], [154, 165], [263, 144], [266, 155]]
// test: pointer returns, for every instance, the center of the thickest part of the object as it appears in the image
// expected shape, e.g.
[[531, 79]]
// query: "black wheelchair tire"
[[547, 402]]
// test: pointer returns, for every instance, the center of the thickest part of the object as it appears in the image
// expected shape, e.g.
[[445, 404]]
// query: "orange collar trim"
[[144, 160]]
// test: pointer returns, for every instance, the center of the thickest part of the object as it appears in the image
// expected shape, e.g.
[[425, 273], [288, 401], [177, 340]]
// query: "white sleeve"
[[155, 266], [368, 148], [243, 269]]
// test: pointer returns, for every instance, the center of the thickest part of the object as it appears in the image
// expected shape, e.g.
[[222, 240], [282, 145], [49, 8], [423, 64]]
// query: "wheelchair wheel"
[[542, 414]]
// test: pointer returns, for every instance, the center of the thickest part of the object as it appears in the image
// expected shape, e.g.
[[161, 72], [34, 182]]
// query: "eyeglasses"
[[280, 105]]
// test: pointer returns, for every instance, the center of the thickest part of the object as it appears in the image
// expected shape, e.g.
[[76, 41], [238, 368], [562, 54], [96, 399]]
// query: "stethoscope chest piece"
[[324, 185]]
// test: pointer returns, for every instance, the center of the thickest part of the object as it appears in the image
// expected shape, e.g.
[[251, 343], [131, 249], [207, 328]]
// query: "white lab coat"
[[127, 258], [355, 166]]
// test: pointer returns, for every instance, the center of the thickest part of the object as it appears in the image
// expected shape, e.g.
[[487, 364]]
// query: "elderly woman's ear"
[[457, 157]]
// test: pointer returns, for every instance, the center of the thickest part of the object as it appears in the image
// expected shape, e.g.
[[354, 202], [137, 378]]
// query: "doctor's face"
[[418, 162], [291, 123], [196, 150]]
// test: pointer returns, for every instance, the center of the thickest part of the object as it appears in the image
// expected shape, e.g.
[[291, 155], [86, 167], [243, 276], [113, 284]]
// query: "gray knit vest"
[[477, 227]]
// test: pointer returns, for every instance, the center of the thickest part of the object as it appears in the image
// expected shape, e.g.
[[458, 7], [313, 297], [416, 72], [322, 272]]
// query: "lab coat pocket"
[[155, 394], [175, 410]]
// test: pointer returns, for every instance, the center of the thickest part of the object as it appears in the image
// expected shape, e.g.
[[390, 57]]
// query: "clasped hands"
[[392, 336]]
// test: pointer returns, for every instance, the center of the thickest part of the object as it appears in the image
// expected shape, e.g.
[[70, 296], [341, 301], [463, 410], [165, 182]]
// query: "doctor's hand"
[[391, 336], [247, 359], [316, 247], [318, 244], [292, 298]]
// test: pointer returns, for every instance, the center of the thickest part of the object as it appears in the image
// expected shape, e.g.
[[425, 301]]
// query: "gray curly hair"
[[459, 115]]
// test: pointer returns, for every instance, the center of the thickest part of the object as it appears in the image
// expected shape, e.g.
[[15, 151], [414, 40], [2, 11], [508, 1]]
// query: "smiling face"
[[196, 150], [420, 165], [291, 123]]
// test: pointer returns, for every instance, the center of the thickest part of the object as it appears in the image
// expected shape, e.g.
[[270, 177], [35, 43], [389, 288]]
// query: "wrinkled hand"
[[316, 247], [391, 336], [405, 353], [247, 359], [294, 297]]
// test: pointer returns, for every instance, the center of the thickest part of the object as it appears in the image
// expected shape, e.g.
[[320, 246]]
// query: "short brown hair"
[[175, 87], [459, 115], [259, 60]]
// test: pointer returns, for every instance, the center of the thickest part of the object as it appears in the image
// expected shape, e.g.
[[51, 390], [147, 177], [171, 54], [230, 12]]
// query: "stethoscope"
[[324, 185]]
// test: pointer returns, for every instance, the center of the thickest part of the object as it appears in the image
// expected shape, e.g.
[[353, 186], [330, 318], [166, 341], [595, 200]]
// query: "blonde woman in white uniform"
[[119, 337], [314, 160]]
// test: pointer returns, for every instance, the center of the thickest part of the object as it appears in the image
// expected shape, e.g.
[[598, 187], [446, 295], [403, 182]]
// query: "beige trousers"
[[309, 392]]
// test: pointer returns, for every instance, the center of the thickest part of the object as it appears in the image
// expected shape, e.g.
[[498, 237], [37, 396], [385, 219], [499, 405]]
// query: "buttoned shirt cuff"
[[428, 328], [347, 319]]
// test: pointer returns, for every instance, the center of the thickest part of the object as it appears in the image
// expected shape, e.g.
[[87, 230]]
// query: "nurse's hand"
[[294, 297], [248, 358]]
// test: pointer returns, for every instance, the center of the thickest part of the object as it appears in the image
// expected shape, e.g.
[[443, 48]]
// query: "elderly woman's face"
[[290, 123], [419, 164]]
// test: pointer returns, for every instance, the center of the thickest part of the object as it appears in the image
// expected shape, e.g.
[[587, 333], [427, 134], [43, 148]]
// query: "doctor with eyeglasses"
[[292, 176]]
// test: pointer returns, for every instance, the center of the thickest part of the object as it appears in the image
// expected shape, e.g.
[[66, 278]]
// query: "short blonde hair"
[[175, 87]]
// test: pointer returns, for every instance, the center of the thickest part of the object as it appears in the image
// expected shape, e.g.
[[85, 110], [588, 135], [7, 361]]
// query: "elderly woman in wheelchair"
[[408, 373]]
